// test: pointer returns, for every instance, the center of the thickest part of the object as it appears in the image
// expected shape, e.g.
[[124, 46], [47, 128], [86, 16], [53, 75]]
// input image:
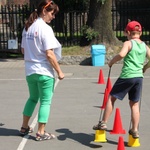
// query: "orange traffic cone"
[[117, 129], [101, 78], [120, 144], [109, 85], [105, 99]]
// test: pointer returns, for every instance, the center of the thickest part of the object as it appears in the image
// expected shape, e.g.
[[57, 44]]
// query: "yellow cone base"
[[100, 136], [133, 142]]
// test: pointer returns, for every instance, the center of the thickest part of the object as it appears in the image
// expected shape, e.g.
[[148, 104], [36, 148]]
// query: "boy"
[[134, 52]]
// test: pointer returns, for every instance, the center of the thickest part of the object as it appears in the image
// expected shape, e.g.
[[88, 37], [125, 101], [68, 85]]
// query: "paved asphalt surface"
[[75, 109]]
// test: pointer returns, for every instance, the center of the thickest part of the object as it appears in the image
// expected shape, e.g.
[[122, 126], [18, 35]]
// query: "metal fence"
[[68, 25], [12, 19], [124, 11]]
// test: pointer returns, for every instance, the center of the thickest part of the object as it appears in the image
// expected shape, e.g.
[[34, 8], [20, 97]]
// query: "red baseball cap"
[[131, 26]]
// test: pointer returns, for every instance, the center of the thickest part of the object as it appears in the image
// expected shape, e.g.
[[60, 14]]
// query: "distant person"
[[41, 54], [134, 53]]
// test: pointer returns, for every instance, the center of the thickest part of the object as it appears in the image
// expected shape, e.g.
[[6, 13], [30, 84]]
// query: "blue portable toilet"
[[98, 55]]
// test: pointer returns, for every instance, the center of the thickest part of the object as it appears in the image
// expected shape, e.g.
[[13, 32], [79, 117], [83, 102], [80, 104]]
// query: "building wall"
[[20, 2], [2, 2], [16, 2]]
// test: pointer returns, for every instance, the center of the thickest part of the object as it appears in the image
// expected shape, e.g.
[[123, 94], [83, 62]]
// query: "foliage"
[[103, 1], [89, 33], [72, 5]]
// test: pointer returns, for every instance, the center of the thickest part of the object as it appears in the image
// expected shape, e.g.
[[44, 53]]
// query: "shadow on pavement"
[[8, 132], [1, 124], [82, 138], [116, 143]]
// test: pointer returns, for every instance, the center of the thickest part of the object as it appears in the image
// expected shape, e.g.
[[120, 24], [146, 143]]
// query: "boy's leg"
[[109, 108], [135, 115], [134, 97], [107, 112]]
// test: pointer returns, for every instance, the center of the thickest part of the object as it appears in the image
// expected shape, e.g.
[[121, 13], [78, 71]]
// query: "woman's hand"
[[61, 76]]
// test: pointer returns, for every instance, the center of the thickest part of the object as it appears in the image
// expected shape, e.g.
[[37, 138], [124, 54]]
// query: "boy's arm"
[[146, 66], [125, 49]]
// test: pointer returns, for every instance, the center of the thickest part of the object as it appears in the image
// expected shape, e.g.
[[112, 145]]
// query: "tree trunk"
[[100, 19], [34, 2]]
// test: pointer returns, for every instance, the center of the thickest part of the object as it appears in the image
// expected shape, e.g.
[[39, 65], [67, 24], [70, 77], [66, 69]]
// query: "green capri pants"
[[41, 89]]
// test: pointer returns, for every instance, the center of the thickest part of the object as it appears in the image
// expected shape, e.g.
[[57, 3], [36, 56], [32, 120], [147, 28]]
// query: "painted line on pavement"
[[12, 79], [82, 78]]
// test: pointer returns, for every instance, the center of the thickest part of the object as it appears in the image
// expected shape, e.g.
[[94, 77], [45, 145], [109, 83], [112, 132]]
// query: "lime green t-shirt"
[[134, 61]]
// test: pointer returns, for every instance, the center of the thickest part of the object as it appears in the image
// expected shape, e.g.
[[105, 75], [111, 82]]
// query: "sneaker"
[[100, 126], [135, 134]]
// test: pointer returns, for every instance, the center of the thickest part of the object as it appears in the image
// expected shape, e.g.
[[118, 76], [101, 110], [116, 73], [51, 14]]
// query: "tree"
[[99, 23], [35, 3], [100, 19]]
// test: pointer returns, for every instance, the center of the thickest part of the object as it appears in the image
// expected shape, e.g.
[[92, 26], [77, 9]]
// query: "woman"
[[41, 52]]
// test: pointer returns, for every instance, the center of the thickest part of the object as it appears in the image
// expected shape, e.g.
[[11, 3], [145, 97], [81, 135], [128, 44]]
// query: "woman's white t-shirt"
[[39, 38]]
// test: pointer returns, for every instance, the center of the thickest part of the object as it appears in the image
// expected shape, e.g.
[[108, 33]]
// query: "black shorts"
[[132, 86]]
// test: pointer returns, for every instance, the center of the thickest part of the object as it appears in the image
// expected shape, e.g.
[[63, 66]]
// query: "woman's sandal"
[[100, 126], [25, 131], [135, 134], [45, 136]]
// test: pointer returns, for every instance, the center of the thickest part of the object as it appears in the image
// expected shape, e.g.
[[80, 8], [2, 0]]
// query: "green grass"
[[10, 55], [76, 34], [66, 51], [75, 50]]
